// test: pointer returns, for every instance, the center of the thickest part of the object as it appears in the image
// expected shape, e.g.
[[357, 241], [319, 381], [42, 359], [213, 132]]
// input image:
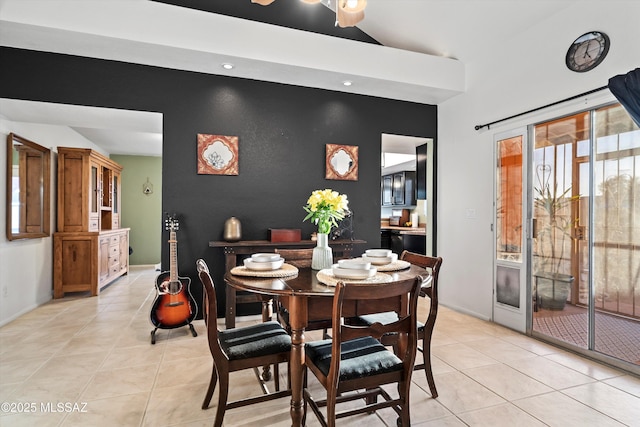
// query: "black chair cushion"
[[383, 318], [255, 340], [361, 357]]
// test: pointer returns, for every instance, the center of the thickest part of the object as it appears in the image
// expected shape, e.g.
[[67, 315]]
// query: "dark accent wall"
[[282, 133]]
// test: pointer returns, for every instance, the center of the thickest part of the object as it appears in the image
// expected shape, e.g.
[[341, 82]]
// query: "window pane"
[[616, 267], [555, 208], [509, 203]]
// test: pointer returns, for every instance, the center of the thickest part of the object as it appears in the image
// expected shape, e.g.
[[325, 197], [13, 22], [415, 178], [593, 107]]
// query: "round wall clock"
[[587, 51]]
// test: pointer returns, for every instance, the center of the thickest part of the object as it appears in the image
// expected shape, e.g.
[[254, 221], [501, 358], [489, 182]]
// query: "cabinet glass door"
[[107, 193], [387, 190], [95, 189], [115, 194], [398, 189]]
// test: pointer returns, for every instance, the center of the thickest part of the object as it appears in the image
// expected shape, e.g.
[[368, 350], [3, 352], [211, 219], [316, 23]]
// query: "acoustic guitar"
[[174, 306]]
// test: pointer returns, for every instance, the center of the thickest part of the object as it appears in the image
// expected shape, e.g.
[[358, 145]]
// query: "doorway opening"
[[131, 138], [407, 213]]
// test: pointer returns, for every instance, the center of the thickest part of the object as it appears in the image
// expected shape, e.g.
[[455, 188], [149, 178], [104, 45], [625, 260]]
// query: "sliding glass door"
[[585, 246]]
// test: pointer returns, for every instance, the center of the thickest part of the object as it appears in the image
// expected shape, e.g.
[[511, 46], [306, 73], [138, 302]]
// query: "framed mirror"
[[342, 162], [28, 189], [217, 154]]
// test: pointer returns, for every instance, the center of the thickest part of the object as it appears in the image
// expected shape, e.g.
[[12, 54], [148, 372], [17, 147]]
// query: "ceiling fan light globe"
[[352, 6], [348, 19]]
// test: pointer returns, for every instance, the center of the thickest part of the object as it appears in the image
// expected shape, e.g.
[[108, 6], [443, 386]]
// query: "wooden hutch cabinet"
[[90, 249]]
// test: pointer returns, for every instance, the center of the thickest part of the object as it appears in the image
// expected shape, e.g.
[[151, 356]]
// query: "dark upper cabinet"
[[387, 190], [399, 189]]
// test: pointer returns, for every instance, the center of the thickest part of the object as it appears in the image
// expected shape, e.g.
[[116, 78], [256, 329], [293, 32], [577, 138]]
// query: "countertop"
[[405, 230]]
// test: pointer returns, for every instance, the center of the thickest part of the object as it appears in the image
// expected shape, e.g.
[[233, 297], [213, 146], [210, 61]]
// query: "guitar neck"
[[173, 255]]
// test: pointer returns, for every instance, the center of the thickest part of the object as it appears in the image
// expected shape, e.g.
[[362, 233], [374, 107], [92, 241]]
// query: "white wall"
[[519, 75], [26, 265]]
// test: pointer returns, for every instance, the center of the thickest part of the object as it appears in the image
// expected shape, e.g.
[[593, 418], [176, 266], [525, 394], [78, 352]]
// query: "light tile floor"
[[89, 362]]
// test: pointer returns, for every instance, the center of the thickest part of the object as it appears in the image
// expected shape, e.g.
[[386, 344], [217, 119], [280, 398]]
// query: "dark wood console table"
[[341, 249]]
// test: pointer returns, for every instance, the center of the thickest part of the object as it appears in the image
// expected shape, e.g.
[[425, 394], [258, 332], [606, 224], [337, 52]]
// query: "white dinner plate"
[[347, 273], [380, 260], [354, 264], [263, 266], [265, 257], [382, 253]]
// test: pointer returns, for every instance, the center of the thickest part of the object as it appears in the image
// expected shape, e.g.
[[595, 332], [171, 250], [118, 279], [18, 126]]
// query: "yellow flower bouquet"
[[325, 208]]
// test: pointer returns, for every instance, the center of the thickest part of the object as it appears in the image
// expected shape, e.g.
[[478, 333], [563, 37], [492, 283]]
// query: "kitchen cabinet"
[[399, 241], [90, 249], [88, 191], [387, 190], [399, 189], [385, 239]]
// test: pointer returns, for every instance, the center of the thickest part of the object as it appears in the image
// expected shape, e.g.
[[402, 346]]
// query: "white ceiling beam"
[[157, 34]]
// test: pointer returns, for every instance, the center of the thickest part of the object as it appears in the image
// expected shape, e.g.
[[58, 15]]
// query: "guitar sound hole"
[[172, 288]]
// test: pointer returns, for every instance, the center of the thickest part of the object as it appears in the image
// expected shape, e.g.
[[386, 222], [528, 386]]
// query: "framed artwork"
[[341, 162], [217, 154]]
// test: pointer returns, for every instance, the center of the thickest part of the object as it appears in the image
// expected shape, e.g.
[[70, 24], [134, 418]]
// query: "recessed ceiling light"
[[227, 66], [347, 82]]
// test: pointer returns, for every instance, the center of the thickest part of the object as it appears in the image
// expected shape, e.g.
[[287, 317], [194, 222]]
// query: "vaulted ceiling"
[[412, 50]]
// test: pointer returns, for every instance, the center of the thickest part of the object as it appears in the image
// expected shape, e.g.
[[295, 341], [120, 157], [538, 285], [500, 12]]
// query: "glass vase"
[[322, 254]]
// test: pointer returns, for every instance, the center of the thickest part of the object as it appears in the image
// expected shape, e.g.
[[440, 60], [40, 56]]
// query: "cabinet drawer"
[[113, 262], [115, 240], [114, 252], [114, 269]]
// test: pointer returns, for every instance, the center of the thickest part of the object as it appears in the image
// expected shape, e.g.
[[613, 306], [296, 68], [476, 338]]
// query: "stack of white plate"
[[354, 268], [264, 262], [379, 256]]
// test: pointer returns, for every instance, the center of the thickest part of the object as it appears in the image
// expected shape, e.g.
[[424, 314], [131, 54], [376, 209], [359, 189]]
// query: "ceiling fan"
[[348, 12]]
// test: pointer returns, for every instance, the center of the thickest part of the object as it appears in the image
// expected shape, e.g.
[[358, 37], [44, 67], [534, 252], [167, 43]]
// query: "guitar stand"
[[153, 333]]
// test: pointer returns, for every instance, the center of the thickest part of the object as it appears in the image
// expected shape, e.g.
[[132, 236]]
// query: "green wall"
[[142, 213]]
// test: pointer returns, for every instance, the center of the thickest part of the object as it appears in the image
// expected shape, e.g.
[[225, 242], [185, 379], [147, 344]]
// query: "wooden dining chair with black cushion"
[[240, 348], [300, 258], [354, 364], [425, 330]]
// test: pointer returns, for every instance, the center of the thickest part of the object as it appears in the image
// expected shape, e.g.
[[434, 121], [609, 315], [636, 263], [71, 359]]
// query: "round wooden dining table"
[[310, 299]]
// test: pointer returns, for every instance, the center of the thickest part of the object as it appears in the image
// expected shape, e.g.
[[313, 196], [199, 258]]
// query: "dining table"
[[308, 295], [235, 251]]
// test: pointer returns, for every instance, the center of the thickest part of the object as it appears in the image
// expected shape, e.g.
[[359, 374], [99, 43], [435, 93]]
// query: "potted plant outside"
[[553, 228]]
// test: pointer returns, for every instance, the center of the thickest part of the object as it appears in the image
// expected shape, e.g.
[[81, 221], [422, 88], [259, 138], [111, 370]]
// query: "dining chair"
[[425, 330], [240, 348], [300, 258], [354, 364]]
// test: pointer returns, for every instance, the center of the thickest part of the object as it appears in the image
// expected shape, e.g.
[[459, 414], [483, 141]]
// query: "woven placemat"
[[284, 271], [326, 276], [394, 266]]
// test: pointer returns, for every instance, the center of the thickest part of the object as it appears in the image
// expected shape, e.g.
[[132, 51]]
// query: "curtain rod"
[[478, 127]]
